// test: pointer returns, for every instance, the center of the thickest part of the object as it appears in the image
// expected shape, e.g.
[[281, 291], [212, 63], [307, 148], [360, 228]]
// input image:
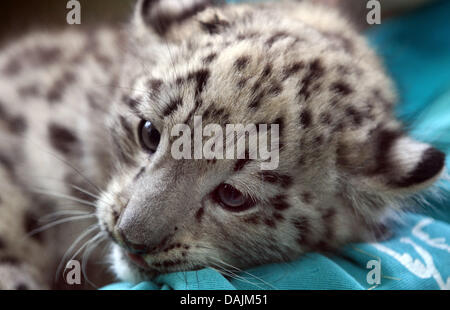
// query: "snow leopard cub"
[[106, 103]]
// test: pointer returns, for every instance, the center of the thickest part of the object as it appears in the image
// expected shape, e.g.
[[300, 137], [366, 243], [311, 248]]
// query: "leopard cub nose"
[[133, 247], [142, 228]]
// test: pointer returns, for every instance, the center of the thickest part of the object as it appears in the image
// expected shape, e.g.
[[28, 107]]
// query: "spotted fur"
[[346, 164]]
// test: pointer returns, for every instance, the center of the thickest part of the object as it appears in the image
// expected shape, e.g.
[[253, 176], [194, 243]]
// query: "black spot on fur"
[[131, 102], [3, 113], [17, 125], [276, 37], [429, 166], [270, 222], [301, 160], [275, 89], [315, 71], [342, 154], [323, 246], [275, 178], [355, 116], [307, 197], [242, 62], [172, 106], [219, 114], [267, 71], [147, 6], [292, 69], [240, 164], [2, 244], [201, 77], [343, 70], [318, 141], [378, 96], [252, 219], [305, 118], [256, 86], [215, 25], [104, 61], [256, 101], [340, 126], [13, 67], [248, 35], [207, 113], [278, 216], [7, 165], [179, 81], [212, 161], [242, 82], [48, 55], [54, 94], [154, 85], [68, 77], [303, 226], [325, 118], [62, 139], [341, 88], [208, 59], [199, 214], [31, 224], [279, 203], [342, 41]]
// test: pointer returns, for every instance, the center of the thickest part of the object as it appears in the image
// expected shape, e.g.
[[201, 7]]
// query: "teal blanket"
[[416, 50]]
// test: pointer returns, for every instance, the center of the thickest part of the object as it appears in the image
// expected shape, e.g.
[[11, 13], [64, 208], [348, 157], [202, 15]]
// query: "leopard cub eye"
[[149, 136], [231, 199]]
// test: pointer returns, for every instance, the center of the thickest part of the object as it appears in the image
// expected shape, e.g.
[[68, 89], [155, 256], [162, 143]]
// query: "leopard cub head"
[[342, 163]]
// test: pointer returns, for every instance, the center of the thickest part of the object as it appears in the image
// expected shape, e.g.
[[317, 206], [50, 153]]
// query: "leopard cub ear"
[[160, 15], [422, 164], [405, 165], [390, 161]]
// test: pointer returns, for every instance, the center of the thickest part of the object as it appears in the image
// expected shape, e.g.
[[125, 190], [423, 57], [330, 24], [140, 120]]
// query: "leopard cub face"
[[343, 161]]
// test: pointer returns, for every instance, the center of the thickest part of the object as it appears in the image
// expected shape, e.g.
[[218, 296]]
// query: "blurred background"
[[21, 16]]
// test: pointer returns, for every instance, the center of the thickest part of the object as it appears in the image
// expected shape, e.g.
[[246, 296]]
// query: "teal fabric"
[[416, 51]]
